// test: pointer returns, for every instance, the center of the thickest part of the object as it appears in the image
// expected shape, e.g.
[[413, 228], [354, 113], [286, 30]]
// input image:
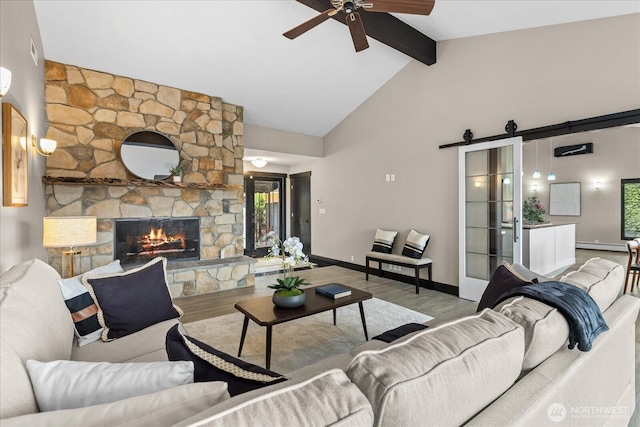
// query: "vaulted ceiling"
[[235, 49]]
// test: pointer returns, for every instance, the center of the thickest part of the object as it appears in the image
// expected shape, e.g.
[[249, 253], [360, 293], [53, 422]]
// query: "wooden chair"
[[633, 266]]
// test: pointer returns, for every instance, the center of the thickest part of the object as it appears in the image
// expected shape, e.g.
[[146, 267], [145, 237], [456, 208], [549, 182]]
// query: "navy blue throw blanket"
[[577, 306]]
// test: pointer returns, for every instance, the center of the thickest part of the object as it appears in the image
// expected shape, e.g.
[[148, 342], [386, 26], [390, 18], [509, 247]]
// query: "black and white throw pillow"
[[214, 365], [84, 311], [133, 300], [383, 242], [415, 245]]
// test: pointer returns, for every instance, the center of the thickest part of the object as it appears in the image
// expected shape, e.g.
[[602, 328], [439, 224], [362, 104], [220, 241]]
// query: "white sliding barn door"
[[490, 204]]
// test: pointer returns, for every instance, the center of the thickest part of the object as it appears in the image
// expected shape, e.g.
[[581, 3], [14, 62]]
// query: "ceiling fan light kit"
[[354, 21]]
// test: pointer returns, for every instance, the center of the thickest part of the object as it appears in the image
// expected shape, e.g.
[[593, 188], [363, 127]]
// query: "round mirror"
[[149, 155]]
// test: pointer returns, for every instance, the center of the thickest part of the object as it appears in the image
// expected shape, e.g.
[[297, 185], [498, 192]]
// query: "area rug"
[[303, 341]]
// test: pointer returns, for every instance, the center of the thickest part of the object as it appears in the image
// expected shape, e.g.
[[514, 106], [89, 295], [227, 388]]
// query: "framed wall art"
[[564, 199], [15, 173]]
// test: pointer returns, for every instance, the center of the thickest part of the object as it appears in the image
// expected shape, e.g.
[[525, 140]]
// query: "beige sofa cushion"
[[444, 375], [165, 407], [324, 399], [545, 328], [132, 348], [34, 324], [601, 278]]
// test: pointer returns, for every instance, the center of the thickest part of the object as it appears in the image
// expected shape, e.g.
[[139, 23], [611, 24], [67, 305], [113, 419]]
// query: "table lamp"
[[69, 231]]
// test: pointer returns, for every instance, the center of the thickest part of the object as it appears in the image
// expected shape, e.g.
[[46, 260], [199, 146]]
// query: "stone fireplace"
[[139, 240], [90, 113]]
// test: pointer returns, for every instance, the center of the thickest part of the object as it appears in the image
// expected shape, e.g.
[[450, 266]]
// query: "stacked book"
[[333, 290]]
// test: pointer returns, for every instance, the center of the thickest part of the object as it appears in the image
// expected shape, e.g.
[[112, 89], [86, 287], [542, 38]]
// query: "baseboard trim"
[[437, 286], [601, 246]]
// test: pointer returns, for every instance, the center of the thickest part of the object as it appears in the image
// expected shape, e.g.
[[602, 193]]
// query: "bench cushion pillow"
[[131, 301], [463, 366], [415, 245], [84, 311], [383, 241]]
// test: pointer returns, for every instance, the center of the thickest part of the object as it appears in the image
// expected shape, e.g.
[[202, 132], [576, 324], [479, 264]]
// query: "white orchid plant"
[[290, 252]]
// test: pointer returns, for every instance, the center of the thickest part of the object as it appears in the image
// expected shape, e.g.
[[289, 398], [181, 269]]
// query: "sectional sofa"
[[509, 366]]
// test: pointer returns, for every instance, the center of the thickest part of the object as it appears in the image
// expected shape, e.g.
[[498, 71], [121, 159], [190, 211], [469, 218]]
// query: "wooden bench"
[[401, 260]]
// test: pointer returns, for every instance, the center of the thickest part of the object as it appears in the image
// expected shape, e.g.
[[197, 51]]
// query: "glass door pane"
[[266, 212], [489, 204]]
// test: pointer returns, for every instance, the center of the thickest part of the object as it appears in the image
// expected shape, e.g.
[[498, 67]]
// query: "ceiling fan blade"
[[415, 7], [306, 26], [357, 31]]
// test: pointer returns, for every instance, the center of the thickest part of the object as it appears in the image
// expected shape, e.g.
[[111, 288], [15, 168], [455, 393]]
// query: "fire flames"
[[158, 241]]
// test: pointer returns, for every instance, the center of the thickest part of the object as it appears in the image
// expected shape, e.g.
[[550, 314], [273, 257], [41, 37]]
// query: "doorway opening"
[[301, 208], [265, 206]]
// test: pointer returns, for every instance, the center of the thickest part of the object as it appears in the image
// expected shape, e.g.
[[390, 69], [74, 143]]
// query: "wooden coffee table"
[[263, 312]]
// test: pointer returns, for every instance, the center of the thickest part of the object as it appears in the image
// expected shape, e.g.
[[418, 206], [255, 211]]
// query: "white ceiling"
[[235, 49]]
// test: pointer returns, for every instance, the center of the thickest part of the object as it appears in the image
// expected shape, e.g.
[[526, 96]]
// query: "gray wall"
[[537, 77], [21, 228], [616, 156], [281, 141]]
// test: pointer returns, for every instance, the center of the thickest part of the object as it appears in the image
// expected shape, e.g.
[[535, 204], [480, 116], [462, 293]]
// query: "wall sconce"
[[597, 185], [45, 147], [535, 187], [259, 162], [506, 181], [478, 184], [5, 81]]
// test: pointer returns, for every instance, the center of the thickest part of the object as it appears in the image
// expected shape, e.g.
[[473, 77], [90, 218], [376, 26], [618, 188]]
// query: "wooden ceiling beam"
[[389, 30]]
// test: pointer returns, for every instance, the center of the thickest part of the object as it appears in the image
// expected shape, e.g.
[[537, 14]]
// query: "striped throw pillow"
[[84, 311], [415, 245], [384, 241]]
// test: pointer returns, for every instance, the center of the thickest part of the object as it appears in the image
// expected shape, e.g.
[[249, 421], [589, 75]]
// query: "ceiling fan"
[[354, 22]]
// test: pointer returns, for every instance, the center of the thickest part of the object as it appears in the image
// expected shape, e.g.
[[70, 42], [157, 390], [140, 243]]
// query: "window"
[[630, 208]]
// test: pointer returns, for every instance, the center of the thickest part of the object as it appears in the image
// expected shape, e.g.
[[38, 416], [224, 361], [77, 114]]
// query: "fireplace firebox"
[[139, 240]]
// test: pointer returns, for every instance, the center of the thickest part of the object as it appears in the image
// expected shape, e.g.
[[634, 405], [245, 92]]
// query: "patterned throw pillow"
[[214, 365], [84, 311], [384, 241], [415, 245], [131, 301]]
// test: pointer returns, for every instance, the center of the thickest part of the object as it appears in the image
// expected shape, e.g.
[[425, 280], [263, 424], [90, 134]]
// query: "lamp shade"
[[68, 231], [46, 147]]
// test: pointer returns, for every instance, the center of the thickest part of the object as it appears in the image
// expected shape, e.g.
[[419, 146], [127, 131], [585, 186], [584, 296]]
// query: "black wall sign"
[[573, 150]]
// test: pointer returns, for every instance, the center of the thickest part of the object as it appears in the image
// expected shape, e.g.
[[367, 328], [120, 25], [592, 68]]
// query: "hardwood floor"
[[433, 303]]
